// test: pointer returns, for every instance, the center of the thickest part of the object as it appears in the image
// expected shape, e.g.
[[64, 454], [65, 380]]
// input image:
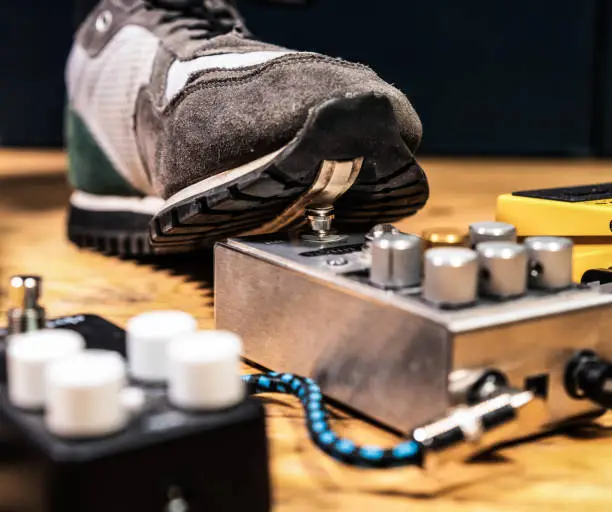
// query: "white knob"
[[84, 395], [28, 355], [204, 371], [148, 335]]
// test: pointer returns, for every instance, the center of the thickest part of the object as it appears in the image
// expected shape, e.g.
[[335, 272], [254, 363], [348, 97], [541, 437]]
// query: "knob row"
[[504, 270], [478, 232], [495, 266], [87, 393]]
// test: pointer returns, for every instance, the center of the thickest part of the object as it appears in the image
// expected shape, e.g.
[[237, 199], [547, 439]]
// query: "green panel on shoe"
[[89, 169]]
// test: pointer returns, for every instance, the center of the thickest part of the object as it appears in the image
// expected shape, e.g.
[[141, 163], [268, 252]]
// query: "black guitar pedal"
[[170, 450]]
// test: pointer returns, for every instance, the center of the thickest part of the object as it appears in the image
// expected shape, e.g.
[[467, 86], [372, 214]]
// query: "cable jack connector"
[[588, 376], [469, 430]]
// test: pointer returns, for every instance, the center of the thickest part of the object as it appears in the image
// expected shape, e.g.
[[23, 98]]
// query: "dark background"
[[518, 77]]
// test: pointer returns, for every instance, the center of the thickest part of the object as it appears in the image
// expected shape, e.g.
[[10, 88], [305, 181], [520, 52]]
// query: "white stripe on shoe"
[[222, 178], [180, 71], [97, 203], [150, 205]]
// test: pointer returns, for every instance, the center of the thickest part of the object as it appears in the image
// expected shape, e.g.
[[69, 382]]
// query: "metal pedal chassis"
[[308, 308]]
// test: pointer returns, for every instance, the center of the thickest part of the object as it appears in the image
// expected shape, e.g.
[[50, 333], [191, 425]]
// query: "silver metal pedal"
[[388, 329]]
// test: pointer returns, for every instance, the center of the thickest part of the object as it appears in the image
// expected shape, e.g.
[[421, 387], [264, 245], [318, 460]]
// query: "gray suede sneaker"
[[182, 129]]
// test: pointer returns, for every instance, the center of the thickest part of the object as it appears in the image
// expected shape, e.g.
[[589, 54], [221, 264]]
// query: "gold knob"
[[444, 237]]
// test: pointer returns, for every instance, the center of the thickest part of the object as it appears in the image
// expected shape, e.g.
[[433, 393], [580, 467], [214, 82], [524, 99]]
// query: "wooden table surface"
[[569, 471]]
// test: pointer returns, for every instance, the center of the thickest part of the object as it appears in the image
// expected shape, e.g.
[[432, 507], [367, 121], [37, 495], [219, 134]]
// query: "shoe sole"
[[349, 152]]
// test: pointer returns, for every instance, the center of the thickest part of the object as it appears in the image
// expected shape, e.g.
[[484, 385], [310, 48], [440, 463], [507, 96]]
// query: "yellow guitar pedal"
[[583, 213]]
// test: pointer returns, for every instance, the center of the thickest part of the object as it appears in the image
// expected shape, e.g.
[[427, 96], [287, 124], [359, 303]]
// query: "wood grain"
[[566, 471]]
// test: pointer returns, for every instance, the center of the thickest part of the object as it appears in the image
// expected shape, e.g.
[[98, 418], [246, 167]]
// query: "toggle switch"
[[25, 313]]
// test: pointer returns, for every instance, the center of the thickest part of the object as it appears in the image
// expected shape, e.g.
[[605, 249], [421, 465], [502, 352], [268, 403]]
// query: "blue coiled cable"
[[407, 453]]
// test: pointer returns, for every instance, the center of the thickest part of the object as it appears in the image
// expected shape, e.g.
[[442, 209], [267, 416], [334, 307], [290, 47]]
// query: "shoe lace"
[[203, 18]]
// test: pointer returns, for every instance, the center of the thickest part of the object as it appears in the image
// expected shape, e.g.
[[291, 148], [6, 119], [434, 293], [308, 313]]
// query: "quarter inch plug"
[[468, 430]]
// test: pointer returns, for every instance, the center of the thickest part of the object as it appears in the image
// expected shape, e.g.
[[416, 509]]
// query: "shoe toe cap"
[[223, 122]]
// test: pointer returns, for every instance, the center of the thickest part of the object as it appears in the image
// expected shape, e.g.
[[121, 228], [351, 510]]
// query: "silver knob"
[[380, 230], [451, 276], [375, 233], [491, 232], [396, 261], [503, 269], [550, 258]]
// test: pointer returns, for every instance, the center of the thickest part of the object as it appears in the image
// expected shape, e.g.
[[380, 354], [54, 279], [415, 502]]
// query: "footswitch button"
[[28, 355], [85, 395], [204, 371], [148, 336]]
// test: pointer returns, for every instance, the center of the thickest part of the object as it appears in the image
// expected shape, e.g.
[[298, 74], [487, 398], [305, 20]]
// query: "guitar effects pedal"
[[171, 429], [582, 213], [403, 334]]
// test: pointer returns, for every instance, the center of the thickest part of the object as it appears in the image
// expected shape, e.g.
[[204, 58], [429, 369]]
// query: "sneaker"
[[182, 129]]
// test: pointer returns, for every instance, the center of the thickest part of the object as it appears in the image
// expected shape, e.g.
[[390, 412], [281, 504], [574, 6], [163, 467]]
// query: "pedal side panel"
[[376, 358], [539, 349]]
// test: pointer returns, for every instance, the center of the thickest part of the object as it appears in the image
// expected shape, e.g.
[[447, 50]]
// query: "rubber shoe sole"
[[349, 152]]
